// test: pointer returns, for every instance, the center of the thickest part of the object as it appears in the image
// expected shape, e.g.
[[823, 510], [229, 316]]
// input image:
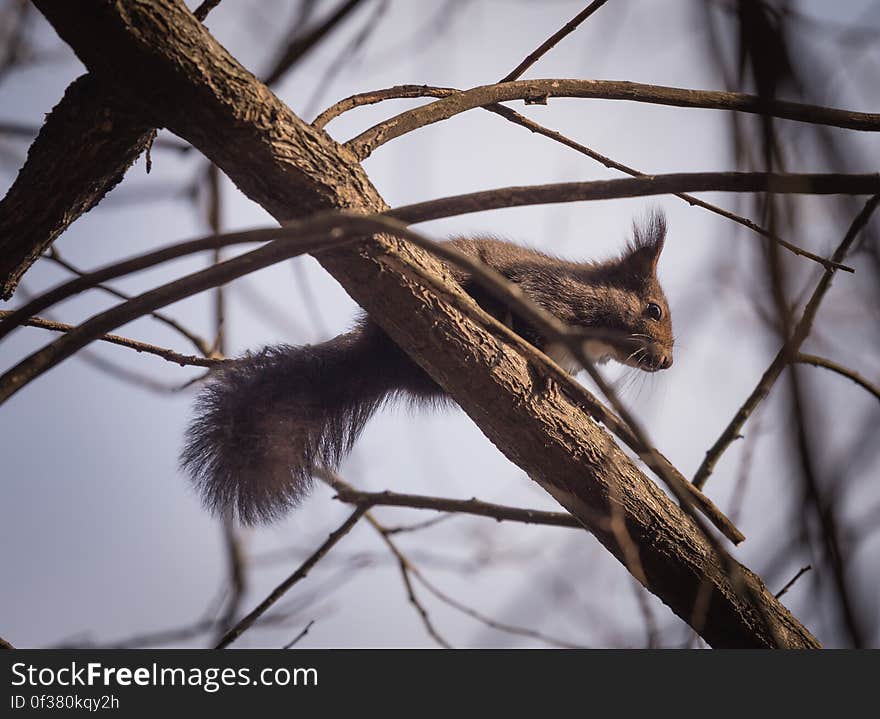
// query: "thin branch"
[[298, 575], [360, 99], [652, 636], [301, 44], [123, 373], [790, 584], [198, 342], [419, 526], [347, 493], [406, 568], [540, 91], [839, 369], [410, 91], [128, 267], [492, 281], [550, 42], [322, 223], [488, 621], [201, 12], [166, 354], [500, 513], [293, 642], [786, 354], [780, 183]]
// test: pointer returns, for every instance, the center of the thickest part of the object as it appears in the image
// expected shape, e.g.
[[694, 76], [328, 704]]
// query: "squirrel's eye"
[[654, 312]]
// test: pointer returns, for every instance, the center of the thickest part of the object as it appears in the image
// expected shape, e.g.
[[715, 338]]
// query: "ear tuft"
[[647, 242]]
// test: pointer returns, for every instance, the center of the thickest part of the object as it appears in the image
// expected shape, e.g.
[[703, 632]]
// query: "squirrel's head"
[[623, 301], [642, 311]]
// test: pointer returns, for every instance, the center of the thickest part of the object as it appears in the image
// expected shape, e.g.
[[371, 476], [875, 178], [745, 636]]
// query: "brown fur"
[[263, 422]]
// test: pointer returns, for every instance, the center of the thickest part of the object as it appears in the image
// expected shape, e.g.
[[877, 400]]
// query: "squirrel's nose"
[[665, 362]]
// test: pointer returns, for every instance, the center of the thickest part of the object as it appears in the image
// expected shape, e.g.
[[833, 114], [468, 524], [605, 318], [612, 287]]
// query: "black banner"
[[136, 682]]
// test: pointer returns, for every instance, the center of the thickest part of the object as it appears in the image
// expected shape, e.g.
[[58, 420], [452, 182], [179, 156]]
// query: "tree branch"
[[839, 369], [540, 91], [406, 567], [198, 342], [499, 512], [108, 140], [297, 576], [786, 354], [157, 54], [165, 354], [402, 91], [551, 41], [328, 223]]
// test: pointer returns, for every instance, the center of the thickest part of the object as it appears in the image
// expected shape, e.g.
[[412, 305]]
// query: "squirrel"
[[265, 420]]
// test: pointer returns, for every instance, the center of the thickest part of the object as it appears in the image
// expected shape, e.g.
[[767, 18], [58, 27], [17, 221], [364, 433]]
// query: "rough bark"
[[74, 162], [168, 64]]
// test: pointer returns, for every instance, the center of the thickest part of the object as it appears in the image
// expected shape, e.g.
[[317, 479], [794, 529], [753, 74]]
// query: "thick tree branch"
[[107, 139], [347, 226], [167, 63]]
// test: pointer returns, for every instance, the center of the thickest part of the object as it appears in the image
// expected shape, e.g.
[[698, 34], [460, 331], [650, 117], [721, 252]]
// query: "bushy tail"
[[264, 421]]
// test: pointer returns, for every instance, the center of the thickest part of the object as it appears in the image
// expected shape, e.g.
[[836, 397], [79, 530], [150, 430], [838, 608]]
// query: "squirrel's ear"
[[646, 245]]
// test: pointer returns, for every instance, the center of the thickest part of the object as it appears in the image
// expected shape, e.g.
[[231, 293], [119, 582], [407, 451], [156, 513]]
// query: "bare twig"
[[321, 224], [540, 91], [348, 53], [302, 43], [814, 184], [124, 373], [786, 354], [370, 98], [790, 583], [405, 91], [839, 369], [488, 621], [201, 12], [406, 568], [550, 42], [298, 575], [293, 642], [198, 342], [419, 526], [348, 494], [652, 636], [166, 354]]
